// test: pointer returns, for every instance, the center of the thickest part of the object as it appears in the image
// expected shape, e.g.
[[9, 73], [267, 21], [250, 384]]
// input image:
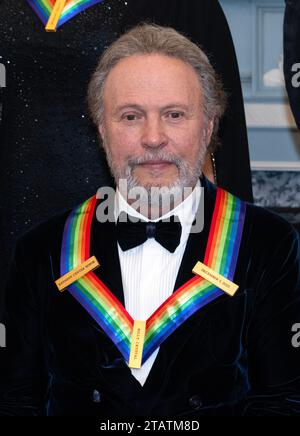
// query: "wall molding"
[[274, 166], [269, 115], [261, 10]]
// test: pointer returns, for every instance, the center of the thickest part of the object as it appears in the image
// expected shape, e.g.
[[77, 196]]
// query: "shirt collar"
[[186, 210]]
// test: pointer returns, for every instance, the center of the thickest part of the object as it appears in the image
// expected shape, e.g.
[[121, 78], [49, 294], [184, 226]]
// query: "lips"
[[156, 163]]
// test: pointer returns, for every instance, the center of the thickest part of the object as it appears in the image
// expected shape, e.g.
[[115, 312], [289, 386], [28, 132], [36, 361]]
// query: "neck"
[[157, 202]]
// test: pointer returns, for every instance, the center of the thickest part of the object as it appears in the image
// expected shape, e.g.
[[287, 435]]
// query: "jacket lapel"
[[196, 244], [104, 247]]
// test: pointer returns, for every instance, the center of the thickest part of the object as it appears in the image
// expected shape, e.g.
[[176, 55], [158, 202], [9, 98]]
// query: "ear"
[[210, 128], [101, 130]]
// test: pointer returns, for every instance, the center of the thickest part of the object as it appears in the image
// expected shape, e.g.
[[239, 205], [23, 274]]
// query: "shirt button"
[[195, 402], [96, 396]]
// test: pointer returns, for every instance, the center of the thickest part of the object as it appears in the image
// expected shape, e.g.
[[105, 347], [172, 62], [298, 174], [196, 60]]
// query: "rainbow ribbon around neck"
[[221, 255], [43, 9]]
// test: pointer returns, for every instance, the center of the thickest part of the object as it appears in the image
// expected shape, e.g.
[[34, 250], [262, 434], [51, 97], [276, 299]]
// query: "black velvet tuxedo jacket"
[[232, 357]]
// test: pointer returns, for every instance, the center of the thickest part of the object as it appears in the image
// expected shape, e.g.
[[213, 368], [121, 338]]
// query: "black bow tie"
[[131, 233]]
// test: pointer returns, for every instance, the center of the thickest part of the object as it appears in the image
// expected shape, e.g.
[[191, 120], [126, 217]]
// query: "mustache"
[[150, 156]]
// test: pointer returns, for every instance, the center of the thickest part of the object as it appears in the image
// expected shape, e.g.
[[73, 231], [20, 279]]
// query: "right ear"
[[101, 130]]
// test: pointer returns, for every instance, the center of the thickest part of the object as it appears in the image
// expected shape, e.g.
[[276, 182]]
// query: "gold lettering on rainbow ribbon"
[[76, 273], [215, 278], [55, 15], [137, 344]]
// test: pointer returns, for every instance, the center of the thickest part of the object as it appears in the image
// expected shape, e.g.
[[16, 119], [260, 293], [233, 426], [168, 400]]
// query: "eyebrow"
[[139, 107]]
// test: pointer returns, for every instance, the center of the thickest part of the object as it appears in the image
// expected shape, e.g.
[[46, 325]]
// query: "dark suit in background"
[[292, 55]]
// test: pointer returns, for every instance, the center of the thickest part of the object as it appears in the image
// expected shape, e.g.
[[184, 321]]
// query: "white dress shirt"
[[149, 270]]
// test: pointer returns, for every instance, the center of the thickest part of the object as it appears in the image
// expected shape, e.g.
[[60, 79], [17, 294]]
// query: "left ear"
[[209, 130]]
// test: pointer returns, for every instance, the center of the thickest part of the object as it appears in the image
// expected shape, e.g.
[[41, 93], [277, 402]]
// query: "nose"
[[154, 135]]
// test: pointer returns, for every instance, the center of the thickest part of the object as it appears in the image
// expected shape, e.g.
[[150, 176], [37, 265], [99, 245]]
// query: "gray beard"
[[175, 192]]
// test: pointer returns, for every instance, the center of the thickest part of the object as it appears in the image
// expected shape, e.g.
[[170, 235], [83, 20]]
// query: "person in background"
[[291, 33]]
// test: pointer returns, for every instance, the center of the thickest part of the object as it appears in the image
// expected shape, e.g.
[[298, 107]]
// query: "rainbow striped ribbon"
[[221, 255], [43, 9]]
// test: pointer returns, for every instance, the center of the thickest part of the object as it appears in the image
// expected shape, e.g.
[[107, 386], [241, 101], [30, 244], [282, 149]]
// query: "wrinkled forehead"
[[152, 80]]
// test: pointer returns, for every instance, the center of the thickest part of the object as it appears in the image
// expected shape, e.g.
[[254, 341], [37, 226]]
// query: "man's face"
[[154, 130]]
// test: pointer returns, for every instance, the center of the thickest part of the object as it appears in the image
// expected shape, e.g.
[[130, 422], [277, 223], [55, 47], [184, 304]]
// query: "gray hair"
[[150, 39]]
